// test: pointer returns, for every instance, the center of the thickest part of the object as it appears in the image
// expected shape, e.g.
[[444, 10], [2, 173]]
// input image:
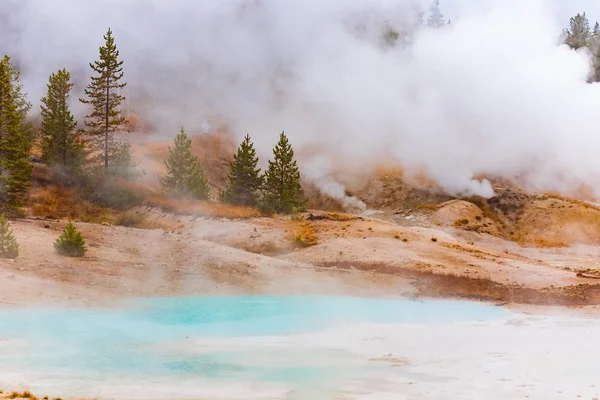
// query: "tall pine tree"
[[578, 35], [436, 19], [62, 146], [283, 192], [244, 177], [15, 143], [185, 177], [594, 45], [104, 95]]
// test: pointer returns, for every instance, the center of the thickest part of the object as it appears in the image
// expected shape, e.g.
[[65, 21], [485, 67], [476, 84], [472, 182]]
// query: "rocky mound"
[[529, 219]]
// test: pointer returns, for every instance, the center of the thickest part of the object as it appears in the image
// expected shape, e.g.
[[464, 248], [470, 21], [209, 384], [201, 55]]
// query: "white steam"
[[492, 94], [318, 169]]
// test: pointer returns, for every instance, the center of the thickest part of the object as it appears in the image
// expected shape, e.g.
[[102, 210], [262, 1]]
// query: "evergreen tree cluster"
[[402, 35], [185, 177], [278, 190], [92, 158], [15, 140], [579, 36], [436, 18]]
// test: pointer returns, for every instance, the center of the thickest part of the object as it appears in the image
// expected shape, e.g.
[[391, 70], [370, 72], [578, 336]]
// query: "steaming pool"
[[273, 347]]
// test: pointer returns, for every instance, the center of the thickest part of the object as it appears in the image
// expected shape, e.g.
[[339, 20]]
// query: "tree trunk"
[[106, 124], [63, 102]]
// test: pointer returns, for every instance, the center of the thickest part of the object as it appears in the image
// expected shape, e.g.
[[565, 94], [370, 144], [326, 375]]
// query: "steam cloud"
[[493, 93]]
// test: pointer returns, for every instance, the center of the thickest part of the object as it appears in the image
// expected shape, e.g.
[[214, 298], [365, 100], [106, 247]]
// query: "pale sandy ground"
[[124, 262], [207, 256]]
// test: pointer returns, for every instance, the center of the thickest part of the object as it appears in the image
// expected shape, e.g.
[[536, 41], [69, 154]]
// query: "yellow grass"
[[132, 219], [203, 208], [340, 217], [548, 243], [571, 200], [304, 234], [24, 395], [60, 203]]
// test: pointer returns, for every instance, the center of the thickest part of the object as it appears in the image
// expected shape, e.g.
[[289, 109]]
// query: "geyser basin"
[[293, 348]]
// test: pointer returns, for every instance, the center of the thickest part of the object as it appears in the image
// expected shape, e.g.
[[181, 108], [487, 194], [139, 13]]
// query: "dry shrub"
[[264, 248], [461, 222], [548, 243], [304, 235], [41, 174], [340, 217], [60, 203], [131, 219], [572, 201], [25, 395], [202, 208]]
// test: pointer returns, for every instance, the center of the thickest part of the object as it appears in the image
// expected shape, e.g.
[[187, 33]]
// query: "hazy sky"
[[563, 9]]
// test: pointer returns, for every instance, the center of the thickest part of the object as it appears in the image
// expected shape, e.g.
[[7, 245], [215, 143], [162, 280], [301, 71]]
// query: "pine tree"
[[15, 144], [197, 184], [185, 176], [70, 243], [436, 19], [104, 96], [244, 177], [61, 142], [9, 248], [594, 45], [283, 192], [578, 35]]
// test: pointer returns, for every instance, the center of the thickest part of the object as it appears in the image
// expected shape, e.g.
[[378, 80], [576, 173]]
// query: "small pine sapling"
[[9, 248], [71, 243]]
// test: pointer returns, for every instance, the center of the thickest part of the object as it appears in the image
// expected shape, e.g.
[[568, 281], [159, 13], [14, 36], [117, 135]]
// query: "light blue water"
[[148, 338]]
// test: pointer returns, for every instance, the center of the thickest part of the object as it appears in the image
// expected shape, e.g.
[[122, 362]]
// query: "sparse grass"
[[131, 219], [59, 203], [202, 208], [264, 248], [548, 243], [571, 200], [24, 395]]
